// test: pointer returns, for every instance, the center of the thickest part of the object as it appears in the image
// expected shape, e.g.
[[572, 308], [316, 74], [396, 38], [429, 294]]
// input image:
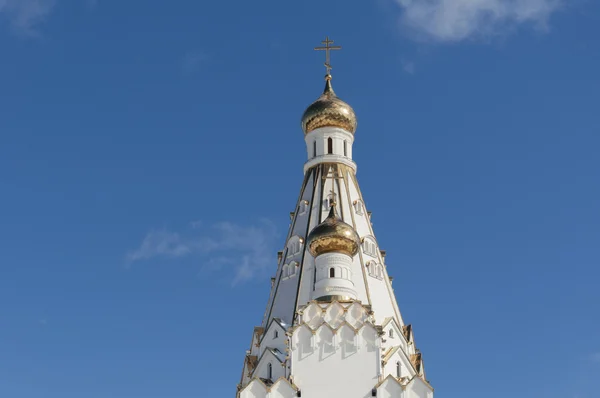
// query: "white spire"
[[332, 327]]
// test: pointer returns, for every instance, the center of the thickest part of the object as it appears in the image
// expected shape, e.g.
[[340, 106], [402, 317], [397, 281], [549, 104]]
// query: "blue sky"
[[150, 152]]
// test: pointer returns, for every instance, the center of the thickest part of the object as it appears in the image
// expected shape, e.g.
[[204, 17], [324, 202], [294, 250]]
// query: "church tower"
[[332, 327]]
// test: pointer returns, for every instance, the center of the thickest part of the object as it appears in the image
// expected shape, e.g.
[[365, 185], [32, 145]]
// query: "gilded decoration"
[[329, 111], [333, 236]]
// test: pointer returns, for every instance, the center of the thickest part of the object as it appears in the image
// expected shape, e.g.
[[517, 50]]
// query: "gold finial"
[[333, 197], [328, 48]]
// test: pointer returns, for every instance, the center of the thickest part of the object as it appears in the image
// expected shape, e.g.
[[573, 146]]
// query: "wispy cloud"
[[160, 243], [457, 20], [595, 357], [250, 250], [24, 16]]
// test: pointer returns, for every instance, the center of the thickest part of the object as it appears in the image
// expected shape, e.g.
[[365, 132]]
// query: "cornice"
[[334, 159]]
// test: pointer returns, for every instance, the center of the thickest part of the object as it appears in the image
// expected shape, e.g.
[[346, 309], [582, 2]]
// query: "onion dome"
[[328, 111], [333, 236]]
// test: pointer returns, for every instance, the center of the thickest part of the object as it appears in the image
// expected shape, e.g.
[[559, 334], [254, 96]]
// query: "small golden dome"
[[333, 235], [328, 111]]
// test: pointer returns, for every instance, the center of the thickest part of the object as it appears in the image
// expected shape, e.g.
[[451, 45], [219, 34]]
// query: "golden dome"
[[328, 111], [333, 235]]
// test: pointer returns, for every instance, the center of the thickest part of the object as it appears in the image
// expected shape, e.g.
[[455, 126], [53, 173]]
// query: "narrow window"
[[331, 273], [329, 145], [270, 371], [314, 148], [391, 333], [276, 334], [398, 369], [345, 148]]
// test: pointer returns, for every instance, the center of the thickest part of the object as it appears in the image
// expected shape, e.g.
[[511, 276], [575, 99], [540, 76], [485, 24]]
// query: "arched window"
[[358, 207], [329, 145], [370, 247], [270, 371], [314, 148], [331, 272], [345, 148], [375, 270], [398, 369], [276, 334], [295, 245]]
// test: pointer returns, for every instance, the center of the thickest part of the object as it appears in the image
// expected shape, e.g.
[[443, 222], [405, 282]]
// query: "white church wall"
[[306, 282], [274, 338], [417, 388], [334, 366], [255, 389], [321, 136], [393, 335], [282, 389], [357, 267], [390, 388], [284, 300], [269, 367], [406, 368]]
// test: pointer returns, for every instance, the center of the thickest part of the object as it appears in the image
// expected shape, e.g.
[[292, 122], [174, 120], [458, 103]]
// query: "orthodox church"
[[332, 327]]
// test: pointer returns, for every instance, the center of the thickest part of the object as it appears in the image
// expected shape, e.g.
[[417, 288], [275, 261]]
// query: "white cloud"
[[159, 243], [456, 20], [249, 250], [24, 16]]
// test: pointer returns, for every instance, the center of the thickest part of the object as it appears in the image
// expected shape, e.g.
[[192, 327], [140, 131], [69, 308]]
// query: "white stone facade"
[[336, 350]]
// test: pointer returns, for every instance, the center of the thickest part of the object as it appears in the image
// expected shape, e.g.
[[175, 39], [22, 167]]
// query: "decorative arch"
[[295, 245], [290, 270], [358, 207], [369, 246], [375, 269]]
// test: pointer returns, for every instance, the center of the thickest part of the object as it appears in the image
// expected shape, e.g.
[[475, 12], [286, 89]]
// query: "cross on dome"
[[328, 110], [327, 48]]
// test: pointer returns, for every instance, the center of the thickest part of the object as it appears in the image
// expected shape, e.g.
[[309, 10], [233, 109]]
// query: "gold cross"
[[328, 48]]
